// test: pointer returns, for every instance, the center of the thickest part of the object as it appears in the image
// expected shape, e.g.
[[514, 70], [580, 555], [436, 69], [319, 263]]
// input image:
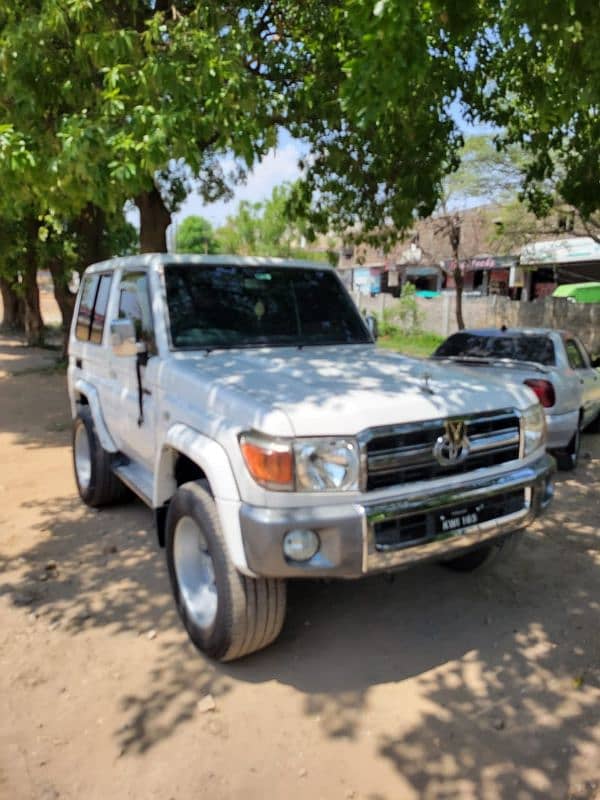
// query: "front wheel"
[[226, 614], [484, 556]]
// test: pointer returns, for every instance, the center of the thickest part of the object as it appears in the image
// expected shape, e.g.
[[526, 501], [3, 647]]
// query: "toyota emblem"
[[453, 447]]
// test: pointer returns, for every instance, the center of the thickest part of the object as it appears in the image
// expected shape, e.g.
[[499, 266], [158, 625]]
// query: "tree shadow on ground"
[[505, 664]]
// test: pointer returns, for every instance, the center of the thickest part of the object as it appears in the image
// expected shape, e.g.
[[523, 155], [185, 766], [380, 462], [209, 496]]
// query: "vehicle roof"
[[499, 332], [164, 259]]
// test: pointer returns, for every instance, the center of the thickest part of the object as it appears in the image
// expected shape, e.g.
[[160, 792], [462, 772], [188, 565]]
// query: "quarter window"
[[99, 315], [91, 315]]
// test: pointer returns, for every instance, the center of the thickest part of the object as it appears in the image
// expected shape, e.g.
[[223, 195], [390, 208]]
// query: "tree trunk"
[[13, 318], [92, 241], [459, 282], [65, 299], [455, 232], [155, 218], [34, 324]]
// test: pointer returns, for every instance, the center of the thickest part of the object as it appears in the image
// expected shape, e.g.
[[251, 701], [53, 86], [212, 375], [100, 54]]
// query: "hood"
[[345, 389]]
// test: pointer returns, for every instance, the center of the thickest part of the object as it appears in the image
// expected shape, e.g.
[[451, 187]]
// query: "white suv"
[[244, 400]]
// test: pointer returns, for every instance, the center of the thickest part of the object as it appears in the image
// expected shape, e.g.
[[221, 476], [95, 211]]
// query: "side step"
[[136, 478]]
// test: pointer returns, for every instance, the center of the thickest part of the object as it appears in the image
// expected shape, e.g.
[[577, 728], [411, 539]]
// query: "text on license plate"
[[459, 521]]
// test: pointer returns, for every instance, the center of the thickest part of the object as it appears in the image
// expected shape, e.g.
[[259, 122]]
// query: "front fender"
[[206, 453], [213, 461]]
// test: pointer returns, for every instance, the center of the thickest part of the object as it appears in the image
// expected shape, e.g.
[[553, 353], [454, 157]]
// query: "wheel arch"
[[85, 394], [187, 455]]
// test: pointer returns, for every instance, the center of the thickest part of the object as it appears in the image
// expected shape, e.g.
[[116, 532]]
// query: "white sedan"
[[555, 364]]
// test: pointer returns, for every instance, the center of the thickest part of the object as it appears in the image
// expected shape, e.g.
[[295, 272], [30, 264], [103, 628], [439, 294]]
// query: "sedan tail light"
[[544, 391]]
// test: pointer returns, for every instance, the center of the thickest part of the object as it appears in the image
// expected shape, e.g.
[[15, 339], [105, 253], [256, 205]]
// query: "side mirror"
[[371, 321], [122, 337], [596, 362]]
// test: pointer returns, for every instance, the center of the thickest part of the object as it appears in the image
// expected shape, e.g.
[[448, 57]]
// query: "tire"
[[486, 556], [567, 459], [96, 483], [226, 614], [594, 426]]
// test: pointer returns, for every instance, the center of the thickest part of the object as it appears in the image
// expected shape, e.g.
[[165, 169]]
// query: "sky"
[[279, 165]]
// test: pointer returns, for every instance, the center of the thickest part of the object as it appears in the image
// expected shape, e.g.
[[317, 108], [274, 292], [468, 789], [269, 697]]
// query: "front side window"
[[574, 355], [134, 304], [227, 306]]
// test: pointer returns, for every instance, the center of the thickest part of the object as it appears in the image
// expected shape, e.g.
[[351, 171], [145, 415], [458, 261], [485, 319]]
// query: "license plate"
[[459, 518]]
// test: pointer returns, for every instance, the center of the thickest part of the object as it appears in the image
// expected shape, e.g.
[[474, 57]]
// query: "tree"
[[384, 137], [105, 102], [486, 174], [269, 228], [195, 235], [535, 73]]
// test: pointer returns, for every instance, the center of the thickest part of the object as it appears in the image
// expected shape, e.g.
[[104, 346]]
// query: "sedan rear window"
[[539, 349]]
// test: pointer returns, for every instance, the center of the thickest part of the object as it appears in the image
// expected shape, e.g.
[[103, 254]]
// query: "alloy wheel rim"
[[195, 572], [83, 457]]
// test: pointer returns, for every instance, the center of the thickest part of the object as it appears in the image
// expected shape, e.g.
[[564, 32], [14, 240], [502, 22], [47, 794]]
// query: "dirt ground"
[[435, 685]]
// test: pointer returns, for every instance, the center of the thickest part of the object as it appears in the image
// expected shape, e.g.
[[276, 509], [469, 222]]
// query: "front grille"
[[415, 529], [404, 453]]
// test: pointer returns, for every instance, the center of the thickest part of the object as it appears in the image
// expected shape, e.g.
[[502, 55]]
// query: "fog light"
[[300, 545]]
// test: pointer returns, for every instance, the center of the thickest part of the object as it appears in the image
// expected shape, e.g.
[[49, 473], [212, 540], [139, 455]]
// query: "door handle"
[[112, 373], [147, 391]]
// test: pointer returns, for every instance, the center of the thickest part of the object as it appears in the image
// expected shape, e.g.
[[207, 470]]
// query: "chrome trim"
[[532, 478], [462, 539], [391, 460], [482, 442], [411, 427], [470, 489]]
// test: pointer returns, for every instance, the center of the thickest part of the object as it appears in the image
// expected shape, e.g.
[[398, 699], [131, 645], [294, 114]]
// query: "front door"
[[134, 387], [589, 378]]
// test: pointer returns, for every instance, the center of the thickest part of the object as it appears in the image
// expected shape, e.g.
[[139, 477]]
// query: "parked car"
[[244, 400], [579, 292], [555, 364]]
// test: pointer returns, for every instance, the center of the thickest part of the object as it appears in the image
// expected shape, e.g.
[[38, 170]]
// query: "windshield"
[[226, 306], [538, 349]]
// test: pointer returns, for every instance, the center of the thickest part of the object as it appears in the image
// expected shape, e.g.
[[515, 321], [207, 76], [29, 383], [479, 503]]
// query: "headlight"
[[533, 428], [326, 464], [306, 465]]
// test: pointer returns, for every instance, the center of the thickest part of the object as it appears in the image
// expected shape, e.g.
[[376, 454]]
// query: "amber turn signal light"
[[270, 463]]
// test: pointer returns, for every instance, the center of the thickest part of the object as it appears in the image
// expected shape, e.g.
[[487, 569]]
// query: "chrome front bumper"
[[347, 532]]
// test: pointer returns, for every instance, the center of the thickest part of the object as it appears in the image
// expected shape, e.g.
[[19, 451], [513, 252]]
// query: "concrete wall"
[[439, 314]]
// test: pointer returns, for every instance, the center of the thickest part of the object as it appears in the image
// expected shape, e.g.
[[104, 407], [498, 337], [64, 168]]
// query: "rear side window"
[[92, 308]]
